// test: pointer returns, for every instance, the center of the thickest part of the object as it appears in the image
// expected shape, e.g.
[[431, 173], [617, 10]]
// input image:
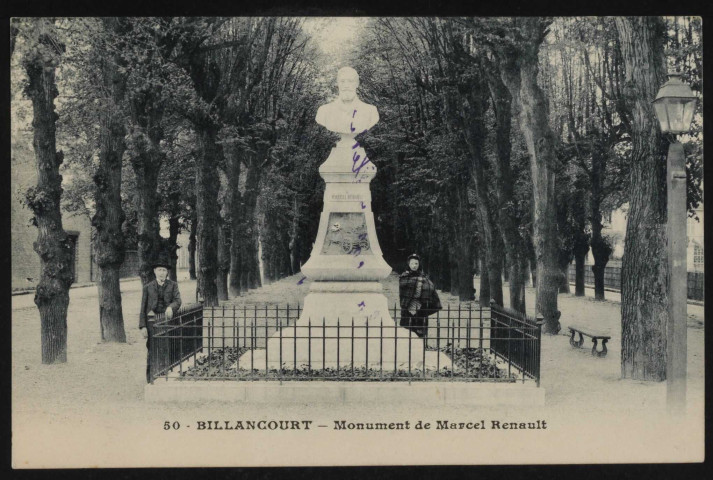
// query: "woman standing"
[[418, 297]]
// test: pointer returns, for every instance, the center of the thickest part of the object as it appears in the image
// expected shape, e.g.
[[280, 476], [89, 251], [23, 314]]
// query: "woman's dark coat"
[[428, 299]]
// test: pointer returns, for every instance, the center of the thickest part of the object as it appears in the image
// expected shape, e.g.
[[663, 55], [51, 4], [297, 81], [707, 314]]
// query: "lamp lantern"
[[674, 105]]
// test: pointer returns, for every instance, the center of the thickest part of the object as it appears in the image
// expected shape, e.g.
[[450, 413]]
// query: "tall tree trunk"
[[495, 269], [223, 260], [598, 269], [206, 200], [440, 267], [256, 278], [580, 250], [476, 258], [109, 245], [601, 248], [474, 133], [146, 164], [206, 77], [223, 239], [236, 223], [532, 261], [293, 244], [563, 262], [251, 265], [644, 295], [515, 247], [174, 228], [518, 274], [192, 246], [147, 157], [484, 295], [459, 248], [578, 275], [491, 268], [146, 132], [52, 245], [466, 292], [540, 141], [454, 262], [268, 264], [286, 264]]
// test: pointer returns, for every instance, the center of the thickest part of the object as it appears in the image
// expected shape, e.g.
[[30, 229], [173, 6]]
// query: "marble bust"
[[347, 115]]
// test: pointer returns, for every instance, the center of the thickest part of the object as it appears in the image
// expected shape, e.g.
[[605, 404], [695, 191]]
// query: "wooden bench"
[[593, 334]]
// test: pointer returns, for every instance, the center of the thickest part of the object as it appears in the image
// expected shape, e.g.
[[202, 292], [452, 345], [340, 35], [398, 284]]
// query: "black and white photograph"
[[245, 241]]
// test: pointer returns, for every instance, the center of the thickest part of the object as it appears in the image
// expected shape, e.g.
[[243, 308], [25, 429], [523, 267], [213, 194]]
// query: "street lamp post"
[[674, 106]]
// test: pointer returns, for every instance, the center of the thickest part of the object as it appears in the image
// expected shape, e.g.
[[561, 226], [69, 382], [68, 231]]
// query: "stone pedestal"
[[346, 314], [346, 247]]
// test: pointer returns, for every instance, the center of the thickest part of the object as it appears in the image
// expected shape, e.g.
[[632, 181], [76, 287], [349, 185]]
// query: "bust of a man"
[[347, 115]]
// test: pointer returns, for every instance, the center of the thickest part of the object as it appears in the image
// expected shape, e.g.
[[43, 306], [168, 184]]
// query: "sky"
[[336, 36]]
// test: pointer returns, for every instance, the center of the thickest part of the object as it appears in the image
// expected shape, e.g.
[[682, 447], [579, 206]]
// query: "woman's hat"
[[413, 255]]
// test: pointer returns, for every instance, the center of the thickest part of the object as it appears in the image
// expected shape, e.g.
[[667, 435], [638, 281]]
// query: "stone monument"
[[346, 263]]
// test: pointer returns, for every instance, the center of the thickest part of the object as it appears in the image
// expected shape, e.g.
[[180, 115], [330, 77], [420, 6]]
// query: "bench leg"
[[603, 352], [576, 343]]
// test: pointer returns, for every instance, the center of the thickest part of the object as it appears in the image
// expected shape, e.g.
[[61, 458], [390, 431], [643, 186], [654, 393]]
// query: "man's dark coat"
[[149, 299]]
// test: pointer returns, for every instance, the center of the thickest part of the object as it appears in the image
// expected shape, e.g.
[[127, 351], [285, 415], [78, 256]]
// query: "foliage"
[[259, 80], [684, 54]]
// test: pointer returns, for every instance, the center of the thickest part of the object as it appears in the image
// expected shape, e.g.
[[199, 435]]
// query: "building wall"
[[615, 227], [25, 262]]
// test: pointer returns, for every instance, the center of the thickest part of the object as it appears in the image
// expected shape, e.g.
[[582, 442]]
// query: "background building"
[[615, 229], [25, 261]]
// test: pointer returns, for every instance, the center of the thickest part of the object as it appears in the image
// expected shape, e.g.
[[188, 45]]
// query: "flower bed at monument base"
[[467, 364]]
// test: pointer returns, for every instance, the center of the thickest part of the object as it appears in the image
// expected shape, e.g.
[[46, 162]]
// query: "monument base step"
[[334, 392]]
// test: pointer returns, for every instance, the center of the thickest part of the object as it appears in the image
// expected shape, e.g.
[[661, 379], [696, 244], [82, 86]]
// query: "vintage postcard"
[[307, 241]]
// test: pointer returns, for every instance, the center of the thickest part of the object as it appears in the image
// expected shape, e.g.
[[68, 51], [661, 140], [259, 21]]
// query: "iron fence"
[[173, 341], [516, 338], [612, 280], [267, 342]]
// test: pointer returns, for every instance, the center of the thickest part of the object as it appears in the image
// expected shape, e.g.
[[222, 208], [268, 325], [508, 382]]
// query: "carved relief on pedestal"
[[346, 235]]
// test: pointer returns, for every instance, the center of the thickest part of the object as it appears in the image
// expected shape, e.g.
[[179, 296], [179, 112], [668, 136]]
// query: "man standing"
[[160, 297]]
